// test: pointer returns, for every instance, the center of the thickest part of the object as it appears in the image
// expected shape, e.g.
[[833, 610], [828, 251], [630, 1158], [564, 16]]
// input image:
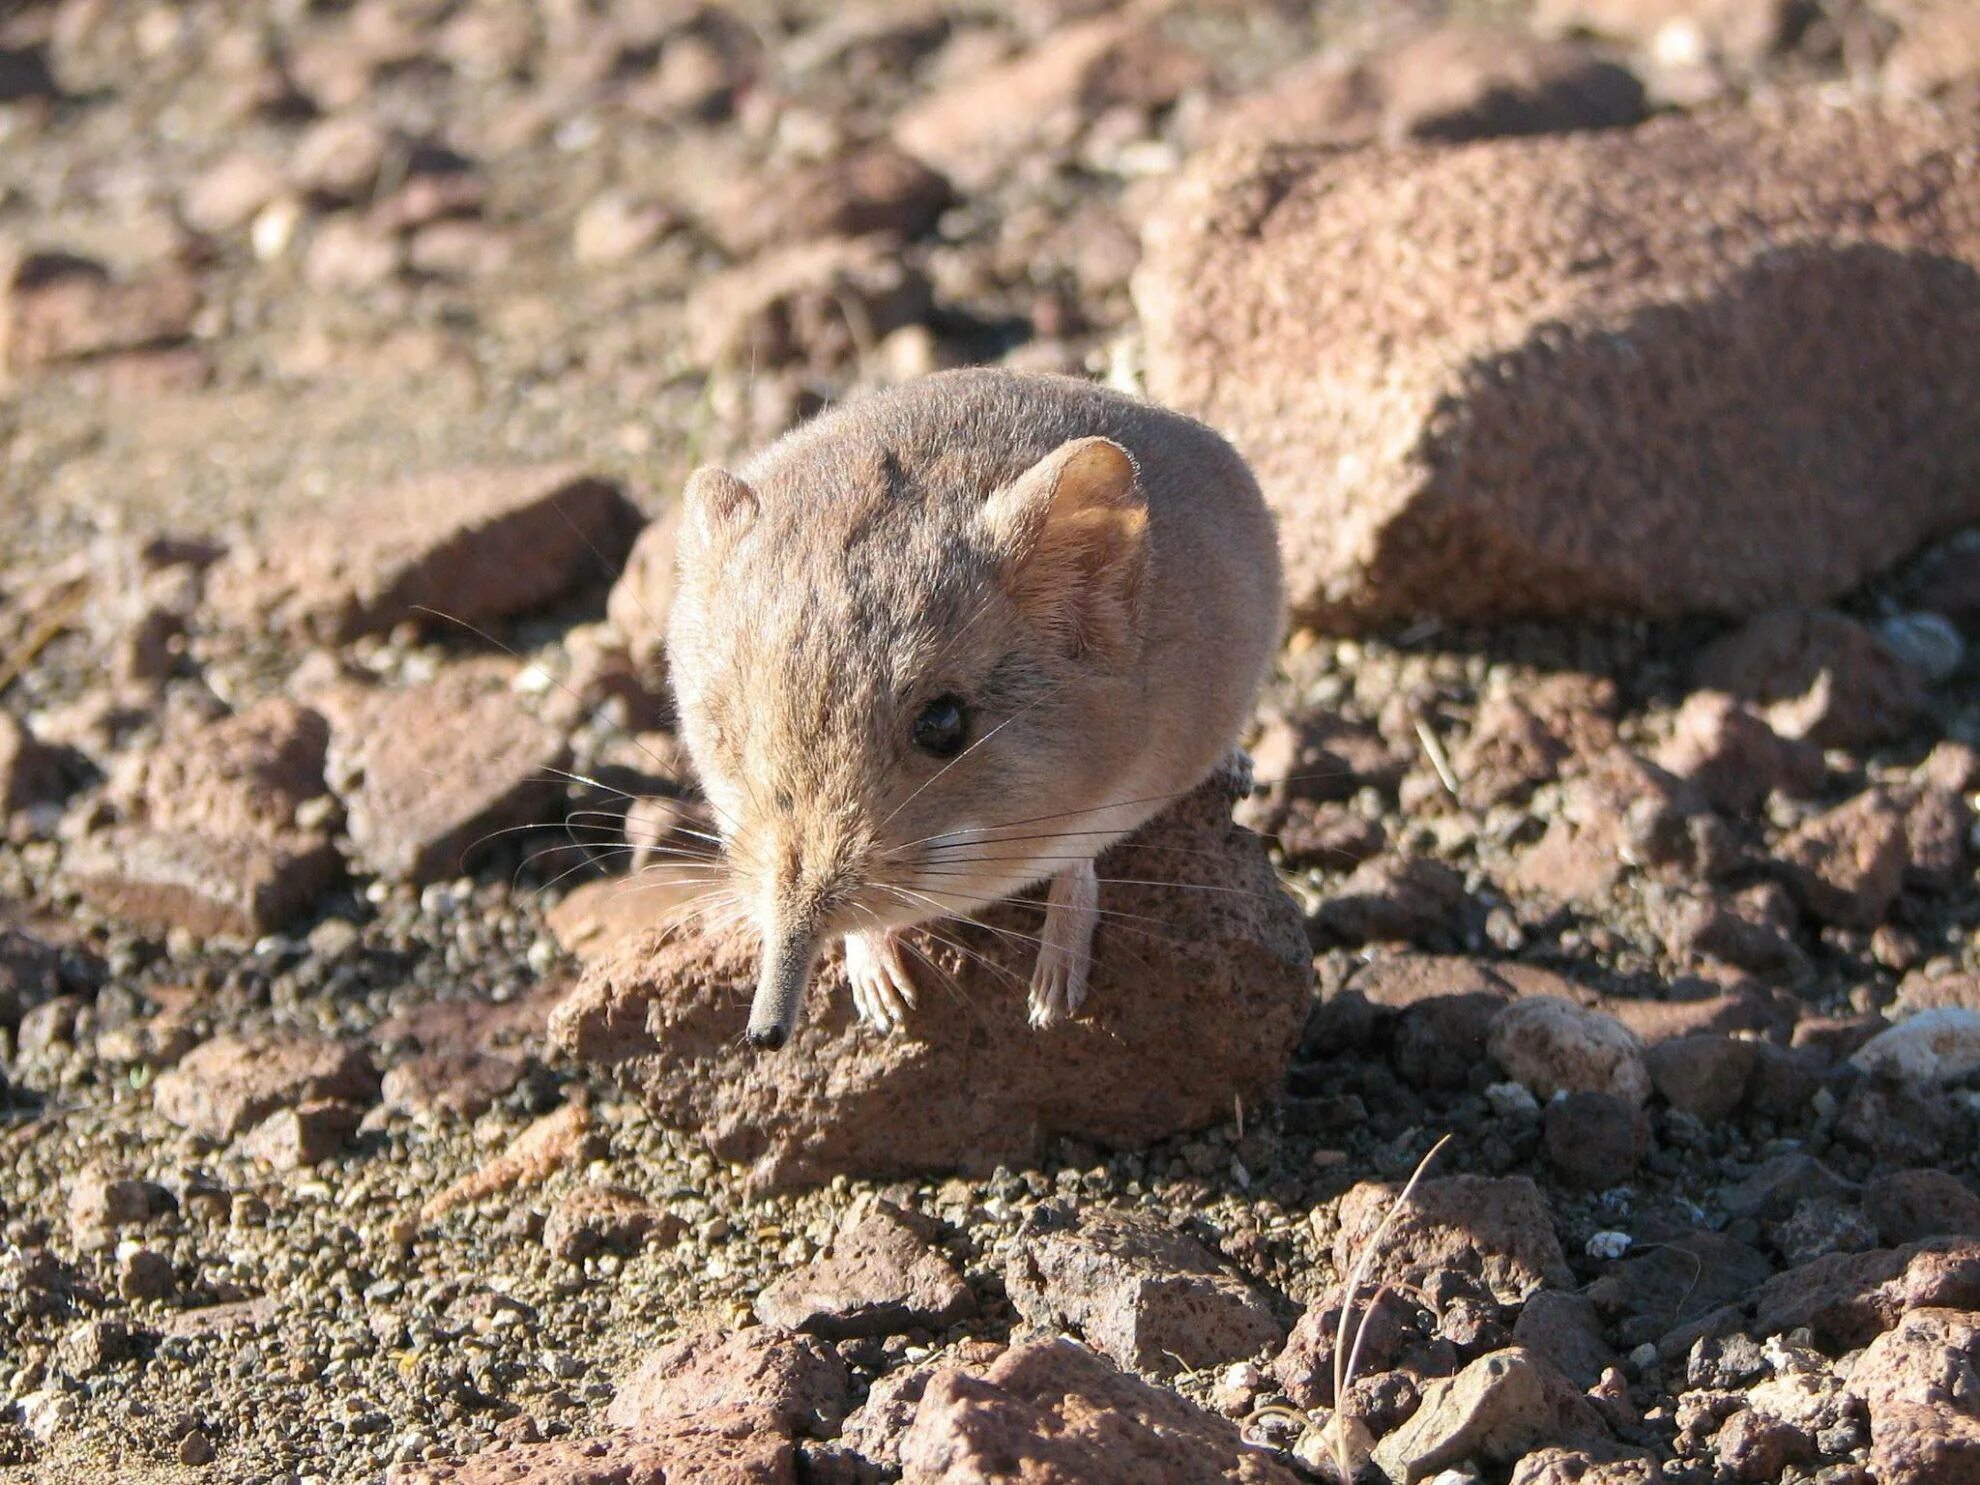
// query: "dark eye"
[[942, 728]]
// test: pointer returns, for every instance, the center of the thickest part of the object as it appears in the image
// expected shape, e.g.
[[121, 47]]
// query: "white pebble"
[[1609, 1246]]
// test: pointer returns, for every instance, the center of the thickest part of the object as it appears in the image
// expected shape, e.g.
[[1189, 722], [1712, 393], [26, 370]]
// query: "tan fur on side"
[[1096, 578]]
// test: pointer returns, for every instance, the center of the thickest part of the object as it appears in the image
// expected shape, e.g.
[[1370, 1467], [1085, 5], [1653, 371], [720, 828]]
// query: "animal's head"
[[875, 688]]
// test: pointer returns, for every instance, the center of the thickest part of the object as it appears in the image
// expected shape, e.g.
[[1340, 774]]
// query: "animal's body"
[[950, 640]]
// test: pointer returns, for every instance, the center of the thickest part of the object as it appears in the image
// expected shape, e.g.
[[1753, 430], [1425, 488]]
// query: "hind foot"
[[882, 989], [1065, 951]]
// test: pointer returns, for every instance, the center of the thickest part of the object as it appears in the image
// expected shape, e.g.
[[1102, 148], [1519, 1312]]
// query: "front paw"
[[882, 989], [1058, 983]]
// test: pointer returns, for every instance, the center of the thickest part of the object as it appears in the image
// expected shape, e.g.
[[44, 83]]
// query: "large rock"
[[798, 1380], [1496, 1409], [1849, 1299], [210, 837], [880, 1277], [1918, 1380], [1498, 1232], [432, 775], [57, 307], [1592, 372], [1053, 1413], [1196, 1001], [1155, 1300], [226, 1086], [471, 544]]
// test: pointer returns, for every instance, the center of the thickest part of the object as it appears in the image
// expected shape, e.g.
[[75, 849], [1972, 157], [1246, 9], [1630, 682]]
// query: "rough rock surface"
[[798, 1380], [431, 773], [880, 1277], [1821, 677], [1176, 1025], [1399, 338], [723, 1446], [1496, 1410], [1153, 1299], [1053, 1413], [209, 838], [230, 1084], [471, 544], [1554, 1046], [1499, 1232], [1848, 1299]]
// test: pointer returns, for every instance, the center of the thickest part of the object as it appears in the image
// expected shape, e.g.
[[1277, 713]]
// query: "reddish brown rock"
[[1705, 1076], [1523, 739], [1178, 1023], [1554, 1046], [305, 1135], [879, 1277], [1849, 1299], [1453, 82], [796, 1379], [643, 596], [1740, 32], [816, 303], [210, 840], [1497, 1231], [1937, 49], [449, 1085], [1381, 1324], [1593, 1140], [1733, 757], [559, 1139], [1318, 755], [721, 1446], [1496, 1409], [1917, 1380], [1937, 826], [1601, 1465], [1917, 992], [1576, 282], [1819, 676], [1153, 1299], [432, 774], [874, 190], [244, 775], [1461, 81], [1393, 899], [1847, 864], [996, 117], [469, 544], [601, 1218], [1053, 1413], [595, 918], [226, 1086], [1446, 1006], [31, 772], [1666, 1286], [55, 307], [1912, 1205]]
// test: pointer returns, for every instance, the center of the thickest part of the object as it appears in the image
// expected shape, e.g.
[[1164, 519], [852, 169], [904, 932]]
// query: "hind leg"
[[882, 988], [1065, 953]]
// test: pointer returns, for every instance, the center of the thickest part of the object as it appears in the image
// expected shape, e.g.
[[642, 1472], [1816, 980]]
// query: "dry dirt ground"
[[373, 240]]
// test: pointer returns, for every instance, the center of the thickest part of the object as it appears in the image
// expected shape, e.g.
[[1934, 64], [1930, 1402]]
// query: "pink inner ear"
[[1080, 578]]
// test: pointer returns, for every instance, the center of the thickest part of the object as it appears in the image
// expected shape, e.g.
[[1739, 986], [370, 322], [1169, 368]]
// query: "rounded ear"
[[1073, 534], [717, 505]]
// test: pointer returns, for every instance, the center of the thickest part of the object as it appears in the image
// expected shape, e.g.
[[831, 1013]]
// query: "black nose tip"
[[768, 1038]]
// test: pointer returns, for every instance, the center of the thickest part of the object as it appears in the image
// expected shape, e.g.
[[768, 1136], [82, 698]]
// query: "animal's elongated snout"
[[788, 957]]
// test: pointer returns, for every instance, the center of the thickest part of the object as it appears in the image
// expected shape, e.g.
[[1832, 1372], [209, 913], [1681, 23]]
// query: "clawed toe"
[[882, 989]]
